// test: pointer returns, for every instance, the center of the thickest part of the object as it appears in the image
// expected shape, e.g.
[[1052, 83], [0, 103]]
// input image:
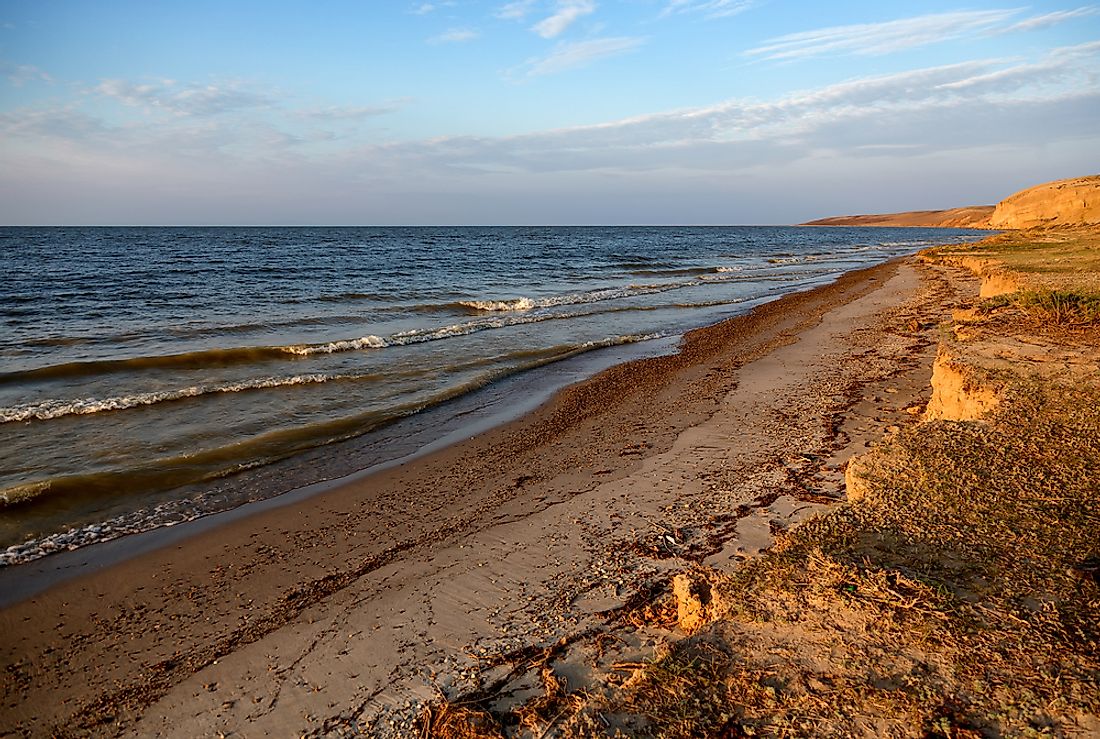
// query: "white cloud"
[[194, 99], [424, 9], [937, 108], [881, 38], [906, 33], [516, 11], [454, 35], [581, 54], [21, 74], [1050, 19], [349, 112], [709, 8], [565, 14]]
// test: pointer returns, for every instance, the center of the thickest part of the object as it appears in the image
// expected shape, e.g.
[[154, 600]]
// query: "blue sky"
[[536, 111]]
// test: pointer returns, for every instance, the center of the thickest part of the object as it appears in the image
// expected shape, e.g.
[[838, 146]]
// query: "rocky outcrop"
[[856, 485], [699, 600], [959, 391], [995, 279], [1073, 202], [975, 216]]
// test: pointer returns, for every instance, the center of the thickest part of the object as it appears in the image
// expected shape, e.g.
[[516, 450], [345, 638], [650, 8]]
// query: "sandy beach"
[[351, 609], [549, 369]]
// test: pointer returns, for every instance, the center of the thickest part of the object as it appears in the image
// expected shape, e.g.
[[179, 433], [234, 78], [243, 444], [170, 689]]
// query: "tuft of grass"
[[447, 720], [1062, 307]]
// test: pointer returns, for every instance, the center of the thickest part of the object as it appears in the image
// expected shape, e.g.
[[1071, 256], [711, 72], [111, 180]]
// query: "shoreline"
[[396, 438], [399, 443], [226, 591], [322, 468]]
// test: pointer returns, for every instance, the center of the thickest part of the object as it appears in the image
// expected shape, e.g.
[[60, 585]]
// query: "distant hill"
[[1072, 202], [974, 216]]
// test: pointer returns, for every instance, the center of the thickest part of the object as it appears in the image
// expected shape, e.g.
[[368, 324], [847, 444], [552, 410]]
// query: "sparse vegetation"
[[960, 595]]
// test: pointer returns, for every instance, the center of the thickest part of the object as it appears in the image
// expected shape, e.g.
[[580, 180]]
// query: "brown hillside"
[[1072, 202], [975, 216]]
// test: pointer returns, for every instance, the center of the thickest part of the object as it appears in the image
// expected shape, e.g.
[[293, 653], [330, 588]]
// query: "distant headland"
[[1069, 202]]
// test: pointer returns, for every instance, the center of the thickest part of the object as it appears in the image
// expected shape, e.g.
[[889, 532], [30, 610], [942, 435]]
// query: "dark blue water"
[[137, 361]]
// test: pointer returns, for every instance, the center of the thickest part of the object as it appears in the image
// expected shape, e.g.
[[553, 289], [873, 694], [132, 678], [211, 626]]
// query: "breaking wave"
[[47, 409]]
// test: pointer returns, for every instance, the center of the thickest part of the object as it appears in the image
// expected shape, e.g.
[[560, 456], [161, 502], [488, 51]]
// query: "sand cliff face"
[[959, 393], [1073, 202]]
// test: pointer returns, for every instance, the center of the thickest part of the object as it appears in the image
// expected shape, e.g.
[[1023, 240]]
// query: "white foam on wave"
[[347, 345], [620, 340], [21, 493], [518, 304], [47, 409], [592, 296], [419, 336]]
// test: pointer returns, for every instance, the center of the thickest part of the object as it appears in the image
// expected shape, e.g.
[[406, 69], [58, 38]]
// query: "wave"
[[190, 332], [210, 464], [671, 272], [420, 336], [49, 409], [499, 305], [351, 296], [582, 298], [530, 310], [58, 408], [333, 347], [200, 359], [241, 355]]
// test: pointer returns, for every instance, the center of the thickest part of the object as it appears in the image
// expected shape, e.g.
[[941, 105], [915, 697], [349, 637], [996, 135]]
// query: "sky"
[[535, 111]]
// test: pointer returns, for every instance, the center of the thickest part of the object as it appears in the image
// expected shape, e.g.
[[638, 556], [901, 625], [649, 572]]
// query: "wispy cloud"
[[918, 111], [54, 123], [581, 54], [516, 11], [882, 38], [709, 8], [454, 36], [424, 8], [21, 74], [350, 112], [1058, 66], [192, 99], [565, 14], [907, 33], [1050, 19]]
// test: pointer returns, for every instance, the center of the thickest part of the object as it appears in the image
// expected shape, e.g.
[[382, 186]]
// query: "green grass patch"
[[1060, 307]]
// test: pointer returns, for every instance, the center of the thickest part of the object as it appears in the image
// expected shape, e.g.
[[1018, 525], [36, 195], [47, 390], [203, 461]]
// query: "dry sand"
[[346, 611]]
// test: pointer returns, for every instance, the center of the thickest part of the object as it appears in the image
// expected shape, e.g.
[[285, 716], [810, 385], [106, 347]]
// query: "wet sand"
[[344, 611]]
